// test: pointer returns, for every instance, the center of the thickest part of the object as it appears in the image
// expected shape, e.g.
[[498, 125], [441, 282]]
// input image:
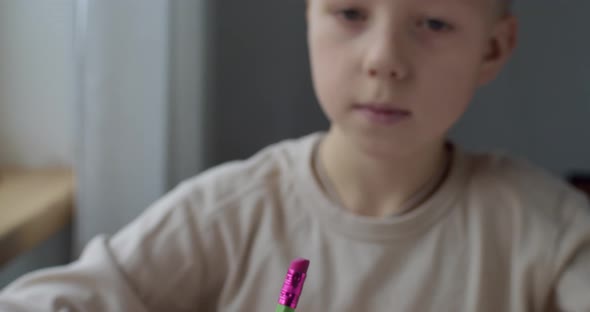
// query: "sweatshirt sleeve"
[[572, 290], [153, 264]]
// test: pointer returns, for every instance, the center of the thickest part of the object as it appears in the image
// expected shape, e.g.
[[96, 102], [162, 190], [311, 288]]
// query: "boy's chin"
[[380, 146]]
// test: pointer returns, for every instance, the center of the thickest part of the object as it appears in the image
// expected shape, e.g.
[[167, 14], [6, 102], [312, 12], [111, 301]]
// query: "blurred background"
[[133, 96]]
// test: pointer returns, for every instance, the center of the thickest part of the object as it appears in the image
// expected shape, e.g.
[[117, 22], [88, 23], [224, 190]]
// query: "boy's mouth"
[[382, 113]]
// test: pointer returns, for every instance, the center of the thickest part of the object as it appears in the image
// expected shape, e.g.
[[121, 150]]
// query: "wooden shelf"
[[34, 205]]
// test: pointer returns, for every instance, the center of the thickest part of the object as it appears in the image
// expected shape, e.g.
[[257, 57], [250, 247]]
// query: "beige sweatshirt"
[[498, 235]]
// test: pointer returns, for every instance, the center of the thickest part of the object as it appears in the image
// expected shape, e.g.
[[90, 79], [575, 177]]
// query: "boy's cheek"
[[332, 84], [328, 61]]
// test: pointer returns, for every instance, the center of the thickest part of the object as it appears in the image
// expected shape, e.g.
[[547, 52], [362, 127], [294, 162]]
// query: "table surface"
[[34, 205]]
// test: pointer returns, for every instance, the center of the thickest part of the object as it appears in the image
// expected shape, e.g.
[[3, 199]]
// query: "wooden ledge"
[[34, 205]]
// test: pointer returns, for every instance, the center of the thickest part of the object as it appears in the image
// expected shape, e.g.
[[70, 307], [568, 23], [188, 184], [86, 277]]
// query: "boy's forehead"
[[473, 4], [479, 4]]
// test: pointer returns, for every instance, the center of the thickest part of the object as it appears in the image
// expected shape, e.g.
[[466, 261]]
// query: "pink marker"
[[293, 285]]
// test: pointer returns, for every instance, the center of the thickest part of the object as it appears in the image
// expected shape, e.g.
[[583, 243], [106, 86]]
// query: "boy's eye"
[[353, 15], [435, 25]]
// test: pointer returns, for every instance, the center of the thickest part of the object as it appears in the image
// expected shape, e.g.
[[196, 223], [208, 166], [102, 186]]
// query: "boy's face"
[[395, 75]]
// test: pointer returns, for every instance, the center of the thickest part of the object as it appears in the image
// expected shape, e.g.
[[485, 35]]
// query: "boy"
[[392, 216]]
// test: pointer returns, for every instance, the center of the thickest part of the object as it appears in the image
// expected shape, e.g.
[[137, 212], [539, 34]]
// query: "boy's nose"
[[385, 60], [393, 73]]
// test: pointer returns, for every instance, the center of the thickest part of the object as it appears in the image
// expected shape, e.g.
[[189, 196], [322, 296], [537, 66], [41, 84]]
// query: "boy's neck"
[[376, 186]]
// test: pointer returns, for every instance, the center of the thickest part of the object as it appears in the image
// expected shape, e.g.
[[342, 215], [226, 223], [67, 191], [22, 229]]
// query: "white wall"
[[36, 82], [122, 164], [37, 92], [190, 87], [140, 85], [142, 101]]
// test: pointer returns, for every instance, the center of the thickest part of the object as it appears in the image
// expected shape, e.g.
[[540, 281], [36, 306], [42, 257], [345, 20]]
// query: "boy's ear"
[[500, 48]]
